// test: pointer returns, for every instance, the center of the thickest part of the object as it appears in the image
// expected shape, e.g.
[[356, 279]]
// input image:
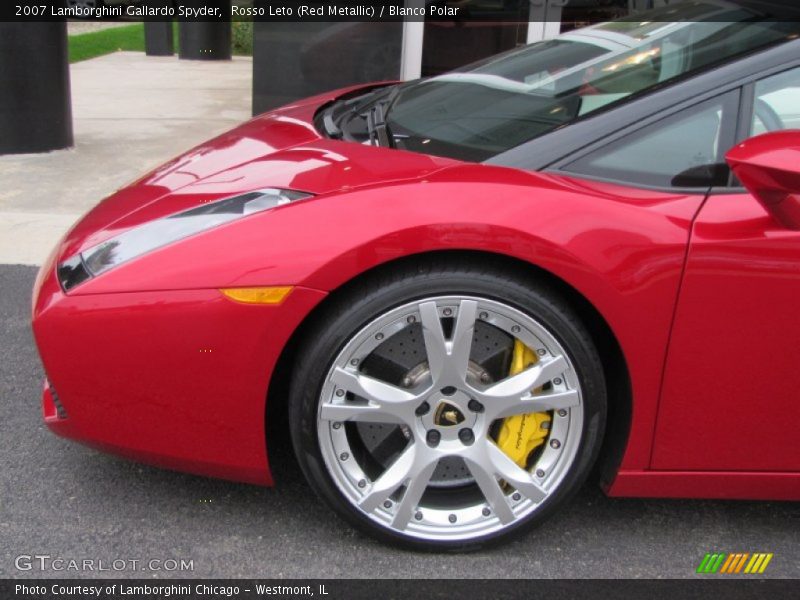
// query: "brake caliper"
[[522, 434]]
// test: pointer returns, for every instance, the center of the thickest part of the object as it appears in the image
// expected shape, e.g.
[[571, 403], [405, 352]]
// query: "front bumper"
[[174, 378]]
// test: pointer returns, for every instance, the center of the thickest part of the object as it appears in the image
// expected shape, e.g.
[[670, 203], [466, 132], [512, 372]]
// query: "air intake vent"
[[60, 410]]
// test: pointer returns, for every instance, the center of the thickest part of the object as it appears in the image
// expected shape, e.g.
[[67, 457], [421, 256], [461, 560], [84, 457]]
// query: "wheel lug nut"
[[344, 456], [515, 329], [466, 436], [516, 497], [433, 438], [562, 412], [484, 316], [557, 381], [541, 352], [452, 518], [539, 473], [418, 516], [362, 483], [486, 512], [555, 444], [340, 393], [475, 406], [447, 312], [337, 425], [354, 362], [422, 409], [411, 319], [387, 504], [378, 336]]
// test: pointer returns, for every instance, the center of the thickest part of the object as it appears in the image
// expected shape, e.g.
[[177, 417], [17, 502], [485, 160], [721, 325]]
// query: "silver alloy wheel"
[[400, 498]]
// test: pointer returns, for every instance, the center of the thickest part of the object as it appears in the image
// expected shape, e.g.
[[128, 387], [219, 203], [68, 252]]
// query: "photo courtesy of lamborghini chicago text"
[[399, 299]]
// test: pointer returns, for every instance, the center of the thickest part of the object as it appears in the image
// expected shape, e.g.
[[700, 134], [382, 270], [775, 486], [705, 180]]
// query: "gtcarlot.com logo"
[[46, 562], [744, 563]]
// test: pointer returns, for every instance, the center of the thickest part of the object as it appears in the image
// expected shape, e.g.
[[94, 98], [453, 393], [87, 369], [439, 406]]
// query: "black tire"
[[357, 305]]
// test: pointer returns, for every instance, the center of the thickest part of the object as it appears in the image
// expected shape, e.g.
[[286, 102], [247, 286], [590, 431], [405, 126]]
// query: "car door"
[[730, 399]]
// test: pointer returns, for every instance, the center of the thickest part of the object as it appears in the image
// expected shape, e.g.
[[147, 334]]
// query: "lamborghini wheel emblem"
[[447, 415]]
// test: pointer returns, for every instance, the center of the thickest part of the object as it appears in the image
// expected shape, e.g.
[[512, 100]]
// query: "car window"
[[777, 103], [683, 150]]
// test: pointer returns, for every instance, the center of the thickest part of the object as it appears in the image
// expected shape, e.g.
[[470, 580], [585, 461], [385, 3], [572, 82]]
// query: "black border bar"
[[458, 11], [731, 588]]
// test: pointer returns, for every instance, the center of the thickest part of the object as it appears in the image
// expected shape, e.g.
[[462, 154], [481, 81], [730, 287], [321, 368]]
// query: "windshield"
[[486, 108]]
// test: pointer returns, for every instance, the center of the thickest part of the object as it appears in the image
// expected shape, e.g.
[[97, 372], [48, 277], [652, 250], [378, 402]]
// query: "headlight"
[[155, 234]]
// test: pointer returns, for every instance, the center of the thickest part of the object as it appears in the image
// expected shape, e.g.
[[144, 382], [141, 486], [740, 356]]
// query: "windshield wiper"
[[377, 128]]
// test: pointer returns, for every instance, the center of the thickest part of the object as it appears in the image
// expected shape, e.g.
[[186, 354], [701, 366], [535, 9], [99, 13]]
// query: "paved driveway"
[[131, 113]]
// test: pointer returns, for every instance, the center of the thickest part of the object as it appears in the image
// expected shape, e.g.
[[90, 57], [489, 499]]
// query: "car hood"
[[280, 149]]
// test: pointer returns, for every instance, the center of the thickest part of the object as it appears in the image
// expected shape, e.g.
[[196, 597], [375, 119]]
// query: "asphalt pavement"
[[68, 502]]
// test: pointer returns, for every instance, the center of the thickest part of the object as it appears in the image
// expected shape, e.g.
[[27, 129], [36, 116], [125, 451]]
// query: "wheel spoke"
[[463, 332], [530, 378], [538, 403], [490, 487], [448, 359], [513, 474], [358, 412], [414, 468], [416, 486], [433, 334], [508, 394], [386, 403]]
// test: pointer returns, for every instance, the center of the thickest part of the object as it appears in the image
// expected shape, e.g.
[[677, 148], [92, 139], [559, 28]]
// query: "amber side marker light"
[[257, 295]]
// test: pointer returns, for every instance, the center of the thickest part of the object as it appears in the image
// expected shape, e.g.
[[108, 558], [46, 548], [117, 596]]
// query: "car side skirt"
[[707, 484]]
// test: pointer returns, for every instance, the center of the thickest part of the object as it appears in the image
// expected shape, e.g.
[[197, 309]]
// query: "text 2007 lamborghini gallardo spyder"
[[468, 290]]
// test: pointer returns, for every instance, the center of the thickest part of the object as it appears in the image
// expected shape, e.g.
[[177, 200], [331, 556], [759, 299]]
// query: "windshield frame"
[[354, 125]]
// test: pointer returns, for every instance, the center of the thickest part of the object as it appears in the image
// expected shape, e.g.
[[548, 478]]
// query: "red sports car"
[[466, 291]]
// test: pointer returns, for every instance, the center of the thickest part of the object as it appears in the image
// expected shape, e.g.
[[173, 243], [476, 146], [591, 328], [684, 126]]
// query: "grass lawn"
[[131, 37], [98, 43]]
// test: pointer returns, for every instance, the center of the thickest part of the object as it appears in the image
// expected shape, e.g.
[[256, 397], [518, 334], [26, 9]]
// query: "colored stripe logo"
[[737, 562]]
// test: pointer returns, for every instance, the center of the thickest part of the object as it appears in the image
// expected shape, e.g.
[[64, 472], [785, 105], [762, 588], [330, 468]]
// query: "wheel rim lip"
[[470, 523]]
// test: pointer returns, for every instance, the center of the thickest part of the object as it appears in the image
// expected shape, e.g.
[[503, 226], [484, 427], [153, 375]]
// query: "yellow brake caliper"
[[522, 434]]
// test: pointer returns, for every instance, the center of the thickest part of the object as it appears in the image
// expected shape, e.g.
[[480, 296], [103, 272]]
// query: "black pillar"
[[158, 39], [35, 103], [200, 40]]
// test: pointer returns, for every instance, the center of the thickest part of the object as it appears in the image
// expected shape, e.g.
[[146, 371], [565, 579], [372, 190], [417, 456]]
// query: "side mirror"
[[768, 165]]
